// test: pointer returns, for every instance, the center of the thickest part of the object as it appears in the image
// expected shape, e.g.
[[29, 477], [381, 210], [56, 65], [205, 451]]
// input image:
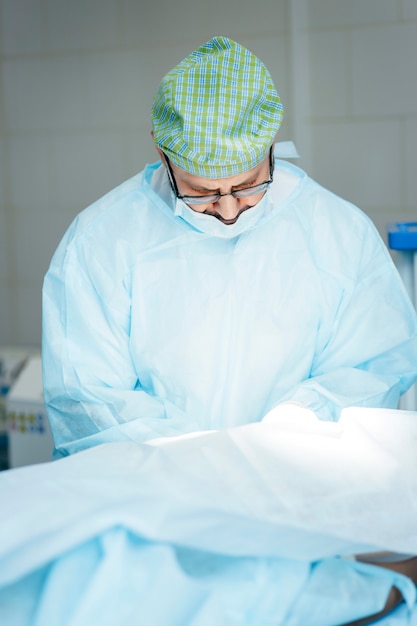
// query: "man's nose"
[[228, 207]]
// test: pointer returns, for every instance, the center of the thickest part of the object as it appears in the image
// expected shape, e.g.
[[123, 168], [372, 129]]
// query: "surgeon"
[[221, 282]]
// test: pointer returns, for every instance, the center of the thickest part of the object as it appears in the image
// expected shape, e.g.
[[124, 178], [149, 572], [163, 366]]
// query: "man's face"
[[227, 208]]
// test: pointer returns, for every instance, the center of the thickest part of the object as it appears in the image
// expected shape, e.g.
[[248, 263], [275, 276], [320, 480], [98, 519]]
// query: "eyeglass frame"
[[215, 197]]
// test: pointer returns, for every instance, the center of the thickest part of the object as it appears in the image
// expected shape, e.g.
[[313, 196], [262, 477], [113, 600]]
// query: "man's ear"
[[161, 154]]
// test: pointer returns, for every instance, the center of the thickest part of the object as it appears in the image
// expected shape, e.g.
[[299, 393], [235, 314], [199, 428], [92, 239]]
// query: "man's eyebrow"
[[203, 189], [244, 183]]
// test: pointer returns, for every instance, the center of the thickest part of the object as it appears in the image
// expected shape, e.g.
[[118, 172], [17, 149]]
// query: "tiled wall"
[[77, 79], [363, 103]]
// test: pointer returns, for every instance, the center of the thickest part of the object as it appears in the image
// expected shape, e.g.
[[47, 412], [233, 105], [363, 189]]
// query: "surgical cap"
[[216, 113]]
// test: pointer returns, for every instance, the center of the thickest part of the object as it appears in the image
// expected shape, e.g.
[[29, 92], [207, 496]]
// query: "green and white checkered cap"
[[217, 112]]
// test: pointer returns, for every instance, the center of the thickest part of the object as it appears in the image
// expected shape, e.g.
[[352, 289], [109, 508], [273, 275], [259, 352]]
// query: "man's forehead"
[[209, 184]]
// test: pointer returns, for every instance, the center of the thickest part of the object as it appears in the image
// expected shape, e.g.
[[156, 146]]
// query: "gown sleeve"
[[366, 351], [91, 389]]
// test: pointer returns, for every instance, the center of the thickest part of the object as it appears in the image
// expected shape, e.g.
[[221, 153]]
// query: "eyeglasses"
[[215, 197]]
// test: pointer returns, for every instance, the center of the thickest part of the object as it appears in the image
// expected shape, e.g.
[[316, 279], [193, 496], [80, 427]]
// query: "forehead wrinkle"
[[201, 188]]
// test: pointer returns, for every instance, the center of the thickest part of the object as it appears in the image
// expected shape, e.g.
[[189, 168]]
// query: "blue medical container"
[[402, 238]]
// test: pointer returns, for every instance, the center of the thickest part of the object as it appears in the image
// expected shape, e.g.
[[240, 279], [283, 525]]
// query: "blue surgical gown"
[[153, 328]]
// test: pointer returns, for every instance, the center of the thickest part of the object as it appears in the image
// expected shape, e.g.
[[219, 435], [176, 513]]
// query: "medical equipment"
[[29, 435]]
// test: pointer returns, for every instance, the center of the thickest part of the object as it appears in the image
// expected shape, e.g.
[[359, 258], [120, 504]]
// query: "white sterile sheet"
[[242, 527]]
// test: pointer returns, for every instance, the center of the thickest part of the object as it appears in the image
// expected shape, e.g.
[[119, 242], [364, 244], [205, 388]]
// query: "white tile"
[[120, 88], [385, 219], [151, 22], [80, 25], [410, 9], [331, 13], [169, 23], [21, 26], [6, 331], [2, 171], [385, 70], [28, 314], [239, 18], [44, 93], [85, 167], [329, 72], [4, 247], [4, 222], [121, 85], [411, 165], [29, 170], [359, 161], [139, 150]]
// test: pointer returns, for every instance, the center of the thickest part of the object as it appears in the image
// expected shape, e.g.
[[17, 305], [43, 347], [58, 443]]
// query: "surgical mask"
[[210, 225]]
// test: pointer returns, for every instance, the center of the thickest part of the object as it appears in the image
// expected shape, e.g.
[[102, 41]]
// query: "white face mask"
[[210, 225]]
